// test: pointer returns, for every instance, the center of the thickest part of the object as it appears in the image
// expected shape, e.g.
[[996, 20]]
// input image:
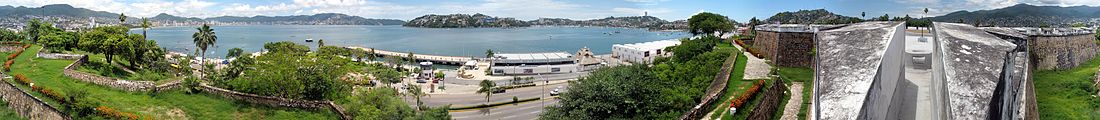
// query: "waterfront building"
[[533, 63], [587, 61], [642, 52]]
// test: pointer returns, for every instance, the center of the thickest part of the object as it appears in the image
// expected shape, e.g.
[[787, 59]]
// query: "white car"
[[556, 91]]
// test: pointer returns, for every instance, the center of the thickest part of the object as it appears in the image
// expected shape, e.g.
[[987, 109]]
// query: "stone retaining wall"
[[275, 101], [791, 49], [28, 106], [10, 48], [127, 85], [1062, 52], [59, 56]]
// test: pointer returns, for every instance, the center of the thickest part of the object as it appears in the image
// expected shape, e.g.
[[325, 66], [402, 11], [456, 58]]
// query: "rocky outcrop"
[[1062, 52], [127, 85], [28, 106]]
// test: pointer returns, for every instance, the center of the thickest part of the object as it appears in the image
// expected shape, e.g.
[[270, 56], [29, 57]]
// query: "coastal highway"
[[475, 99], [523, 111]]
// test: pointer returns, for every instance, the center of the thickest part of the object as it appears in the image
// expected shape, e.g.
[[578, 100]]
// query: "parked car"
[[499, 90], [555, 92]]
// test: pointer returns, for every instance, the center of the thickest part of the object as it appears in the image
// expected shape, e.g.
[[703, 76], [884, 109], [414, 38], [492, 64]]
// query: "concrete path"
[[756, 68], [790, 112]]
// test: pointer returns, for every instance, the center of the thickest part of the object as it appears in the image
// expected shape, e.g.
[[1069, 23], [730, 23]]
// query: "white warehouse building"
[[533, 63], [642, 52]]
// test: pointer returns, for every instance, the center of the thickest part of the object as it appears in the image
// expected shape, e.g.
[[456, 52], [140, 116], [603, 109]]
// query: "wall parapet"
[[276, 101], [127, 85], [28, 106]]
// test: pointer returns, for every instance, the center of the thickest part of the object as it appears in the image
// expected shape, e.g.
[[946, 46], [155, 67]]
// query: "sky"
[[740, 10]]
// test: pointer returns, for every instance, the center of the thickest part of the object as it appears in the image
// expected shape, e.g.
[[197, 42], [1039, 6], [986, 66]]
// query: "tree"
[[234, 52], [411, 58], [106, 40], [144, 27], [416, 92], [371, 55], [203, 38], [487, 87], [359, 54], [333, 50], [377, 104], [489, 53], [8, 35], [286, 47], [59, 41], [708, 23], [37, 28], [622, 92], [884, 17], [862, 15], [121, 18]]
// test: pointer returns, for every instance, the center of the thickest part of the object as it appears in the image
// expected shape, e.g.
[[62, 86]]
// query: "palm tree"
[[203, 39], [412, 59], [122, 19], [370, 55], [416, 92], [862, 15], [489, 53], [487, 87], [145, 25], [320, 43]]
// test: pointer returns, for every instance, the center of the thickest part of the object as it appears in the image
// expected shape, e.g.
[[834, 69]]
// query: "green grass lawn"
[[97, 64], [804, 75], [1068, 94], [164, 105], [734, 87]]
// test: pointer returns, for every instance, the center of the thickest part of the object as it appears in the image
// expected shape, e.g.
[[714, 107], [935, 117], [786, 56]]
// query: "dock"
[[436, 59]]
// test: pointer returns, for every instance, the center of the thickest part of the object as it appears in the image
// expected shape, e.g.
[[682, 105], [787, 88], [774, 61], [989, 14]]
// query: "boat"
[[309, 39]]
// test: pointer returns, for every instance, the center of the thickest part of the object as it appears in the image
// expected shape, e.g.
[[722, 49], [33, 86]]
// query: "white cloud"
[[1065, 2]]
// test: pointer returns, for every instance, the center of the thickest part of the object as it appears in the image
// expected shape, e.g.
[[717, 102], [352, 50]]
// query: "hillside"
[[1024, 15], [819, 16], [464, 21], [70, 17]]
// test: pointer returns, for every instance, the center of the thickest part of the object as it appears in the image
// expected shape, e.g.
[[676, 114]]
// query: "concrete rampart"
[[792, 49]]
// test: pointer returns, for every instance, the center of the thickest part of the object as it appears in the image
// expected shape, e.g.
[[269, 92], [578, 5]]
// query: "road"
[[476, 99], [451, 78], [523, 111]]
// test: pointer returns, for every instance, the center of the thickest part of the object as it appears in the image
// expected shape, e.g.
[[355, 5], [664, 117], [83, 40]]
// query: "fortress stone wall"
[[28, 106], [1062, 52], [790, 49]]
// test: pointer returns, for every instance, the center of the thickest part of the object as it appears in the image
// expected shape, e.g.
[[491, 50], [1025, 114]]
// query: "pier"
[[437, 59]]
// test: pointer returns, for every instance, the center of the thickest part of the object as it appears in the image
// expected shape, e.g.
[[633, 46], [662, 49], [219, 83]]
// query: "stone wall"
[[42, 54], [790, 49], [28, 106], [1062, 52], [274, 101], [10, 48], [127, 85]]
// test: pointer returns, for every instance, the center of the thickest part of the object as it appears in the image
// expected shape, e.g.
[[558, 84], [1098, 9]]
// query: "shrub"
[[7, 66], [112, 113], [50, 93], [22, 79]]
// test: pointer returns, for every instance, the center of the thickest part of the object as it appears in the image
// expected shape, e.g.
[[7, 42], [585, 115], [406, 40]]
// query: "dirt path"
[[790, 112]]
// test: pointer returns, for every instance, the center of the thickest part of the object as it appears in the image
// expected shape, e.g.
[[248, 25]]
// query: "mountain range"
[[67, 11], [481, 20], [1024, 15]]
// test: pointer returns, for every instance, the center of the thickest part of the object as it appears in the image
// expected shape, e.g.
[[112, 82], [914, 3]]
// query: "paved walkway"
[[756, 68], [790, 112]]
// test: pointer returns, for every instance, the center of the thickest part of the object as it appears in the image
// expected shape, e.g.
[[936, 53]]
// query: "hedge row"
[[747, 49], [736, 103], [115, 114], [7, 65], [494, 104], [22, 79]]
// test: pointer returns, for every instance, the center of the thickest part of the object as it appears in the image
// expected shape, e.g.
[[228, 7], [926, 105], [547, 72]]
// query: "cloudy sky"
[[740, 10]]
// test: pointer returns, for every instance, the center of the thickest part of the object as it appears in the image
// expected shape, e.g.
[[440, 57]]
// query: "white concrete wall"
[[635, 55], [539, 69]]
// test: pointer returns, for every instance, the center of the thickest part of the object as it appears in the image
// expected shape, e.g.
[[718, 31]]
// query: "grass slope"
[[1068, 94], [164, 105]]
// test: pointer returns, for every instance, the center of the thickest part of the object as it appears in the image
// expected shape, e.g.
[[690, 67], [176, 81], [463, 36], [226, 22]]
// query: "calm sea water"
[[438, 41]]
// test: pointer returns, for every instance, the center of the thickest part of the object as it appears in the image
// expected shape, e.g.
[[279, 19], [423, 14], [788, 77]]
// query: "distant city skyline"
[[740, 10]]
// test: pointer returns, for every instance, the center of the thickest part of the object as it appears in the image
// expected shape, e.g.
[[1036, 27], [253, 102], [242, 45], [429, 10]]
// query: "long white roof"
[[651, 45], [533, 57]]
